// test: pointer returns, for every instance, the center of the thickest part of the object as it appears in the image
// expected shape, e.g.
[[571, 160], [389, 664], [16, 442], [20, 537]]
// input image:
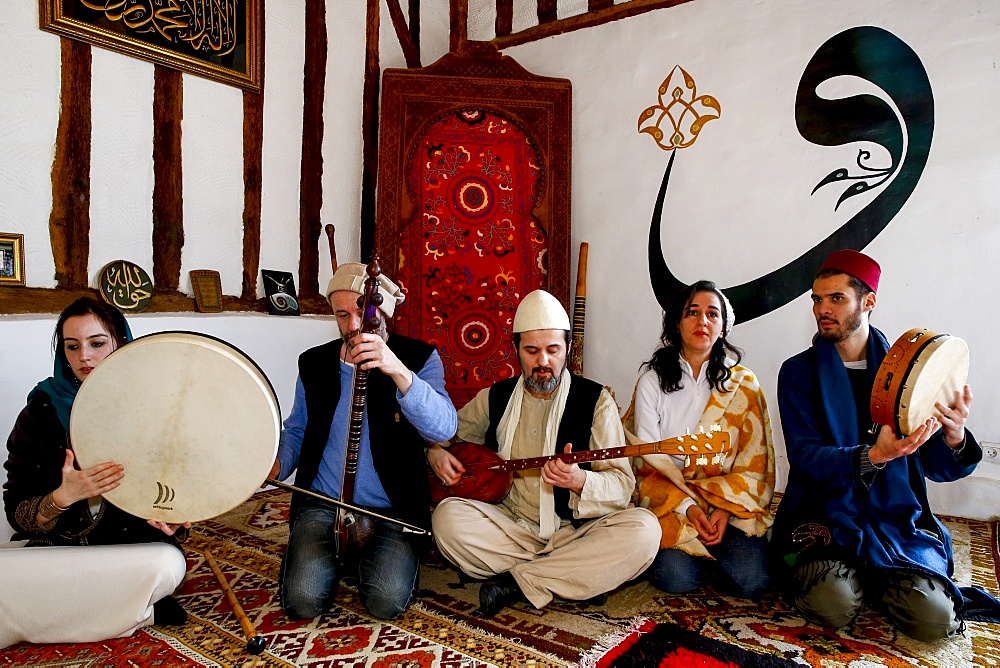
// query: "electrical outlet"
[[991, 452]]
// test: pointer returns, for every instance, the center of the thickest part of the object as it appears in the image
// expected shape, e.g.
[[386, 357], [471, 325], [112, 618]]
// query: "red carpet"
[[669, 646]]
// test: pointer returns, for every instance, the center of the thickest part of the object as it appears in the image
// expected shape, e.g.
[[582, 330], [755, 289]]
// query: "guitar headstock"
[[715, 441]]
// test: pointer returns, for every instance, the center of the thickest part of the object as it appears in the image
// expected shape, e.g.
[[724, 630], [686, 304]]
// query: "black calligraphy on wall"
[[904, 129]]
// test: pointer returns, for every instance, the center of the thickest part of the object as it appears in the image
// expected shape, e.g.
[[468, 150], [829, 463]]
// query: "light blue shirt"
[[426, 406]]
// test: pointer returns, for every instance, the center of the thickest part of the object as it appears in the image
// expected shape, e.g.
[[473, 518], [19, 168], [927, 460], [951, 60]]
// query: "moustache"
[[349, 336]]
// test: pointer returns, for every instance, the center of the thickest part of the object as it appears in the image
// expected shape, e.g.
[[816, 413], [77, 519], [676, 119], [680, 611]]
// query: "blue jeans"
[[740, 567], [387, 567]]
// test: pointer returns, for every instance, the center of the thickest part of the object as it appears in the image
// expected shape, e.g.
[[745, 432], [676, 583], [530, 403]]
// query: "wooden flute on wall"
[[579, 313]]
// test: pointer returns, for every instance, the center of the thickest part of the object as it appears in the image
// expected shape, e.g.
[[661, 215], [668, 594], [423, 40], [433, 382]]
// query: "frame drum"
[[921, 369], [192, 419]]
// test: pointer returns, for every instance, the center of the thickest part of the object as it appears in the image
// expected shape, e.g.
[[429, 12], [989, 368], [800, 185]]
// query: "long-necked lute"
[[488, 477], [353, 528]]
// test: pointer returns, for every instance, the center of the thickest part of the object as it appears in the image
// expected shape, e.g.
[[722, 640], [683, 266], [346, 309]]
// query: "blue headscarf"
[[62, 385]]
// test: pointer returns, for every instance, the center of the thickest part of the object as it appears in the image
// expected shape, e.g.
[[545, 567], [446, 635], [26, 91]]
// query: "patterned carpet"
[[442, 629]]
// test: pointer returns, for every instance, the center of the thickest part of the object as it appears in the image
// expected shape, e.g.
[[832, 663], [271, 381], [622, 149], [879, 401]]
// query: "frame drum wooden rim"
[[193, 420], [920, 369]]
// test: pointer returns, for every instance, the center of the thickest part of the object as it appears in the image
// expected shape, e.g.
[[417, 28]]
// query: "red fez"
[[856, 264]]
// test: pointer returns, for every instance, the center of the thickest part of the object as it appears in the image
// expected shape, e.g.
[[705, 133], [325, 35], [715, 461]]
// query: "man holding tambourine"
[[855, 524]]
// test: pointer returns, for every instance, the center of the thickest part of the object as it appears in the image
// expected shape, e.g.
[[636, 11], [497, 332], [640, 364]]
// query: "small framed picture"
[[279, 288], [11, 259]]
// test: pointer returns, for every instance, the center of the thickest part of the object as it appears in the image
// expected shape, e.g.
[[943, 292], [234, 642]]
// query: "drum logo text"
[[164, 495]]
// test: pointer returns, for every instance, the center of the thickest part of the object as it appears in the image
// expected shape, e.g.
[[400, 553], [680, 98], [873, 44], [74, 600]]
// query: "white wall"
[[738, 204]]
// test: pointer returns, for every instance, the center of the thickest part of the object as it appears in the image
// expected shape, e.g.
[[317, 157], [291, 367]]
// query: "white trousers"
[[575, 564], [83, 593]]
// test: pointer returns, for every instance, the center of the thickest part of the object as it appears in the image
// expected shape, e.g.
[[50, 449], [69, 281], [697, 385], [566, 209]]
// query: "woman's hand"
[[92, 481], [169, 529], [700, 521], [720, 520], [445, 465]]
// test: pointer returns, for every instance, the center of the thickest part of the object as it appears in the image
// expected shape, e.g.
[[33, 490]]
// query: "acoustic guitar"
[[488, 477]]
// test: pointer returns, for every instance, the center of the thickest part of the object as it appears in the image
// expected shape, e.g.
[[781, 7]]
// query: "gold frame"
[[16, 242], [149, 34]]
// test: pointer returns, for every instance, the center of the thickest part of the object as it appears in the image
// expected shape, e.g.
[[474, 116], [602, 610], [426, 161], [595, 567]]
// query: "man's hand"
[[369, 351], [445, 465], [953, 417], [91, 481], [273, 473], [558, 473], [888, 447]]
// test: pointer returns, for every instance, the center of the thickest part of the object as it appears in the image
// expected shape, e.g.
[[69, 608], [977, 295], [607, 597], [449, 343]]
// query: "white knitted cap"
[[351, 276], [540, 310]]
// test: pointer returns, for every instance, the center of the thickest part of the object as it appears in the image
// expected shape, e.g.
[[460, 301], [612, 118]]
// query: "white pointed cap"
[[540, 310]]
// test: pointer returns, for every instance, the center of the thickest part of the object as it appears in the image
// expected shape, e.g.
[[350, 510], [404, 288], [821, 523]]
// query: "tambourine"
[[920, 369]]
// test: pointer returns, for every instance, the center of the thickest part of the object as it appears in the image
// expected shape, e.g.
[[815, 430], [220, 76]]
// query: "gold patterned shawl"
[[743, 484]]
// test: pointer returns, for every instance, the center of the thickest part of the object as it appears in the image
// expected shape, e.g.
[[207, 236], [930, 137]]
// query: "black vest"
[[396, 445], [575, 426]]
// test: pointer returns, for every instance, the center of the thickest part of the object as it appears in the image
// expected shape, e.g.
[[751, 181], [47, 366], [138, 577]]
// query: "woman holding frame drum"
[[103, 573]]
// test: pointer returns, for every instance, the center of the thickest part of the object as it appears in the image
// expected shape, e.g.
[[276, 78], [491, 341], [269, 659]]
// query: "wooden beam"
[[311, 175], [505, 17], [594, 5], [168, 182], [415, 23], [253, 140], [402, 33], [547, 11], [588, 20], [369, 132], [69, 220], [48, 300], [459, 31]]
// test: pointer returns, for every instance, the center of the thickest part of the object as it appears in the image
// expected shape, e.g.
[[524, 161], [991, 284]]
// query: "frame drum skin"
[[192, 419], [921, 368]]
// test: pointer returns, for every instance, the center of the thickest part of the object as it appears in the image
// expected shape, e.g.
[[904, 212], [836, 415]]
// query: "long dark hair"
[[110, 317], [666, 359]]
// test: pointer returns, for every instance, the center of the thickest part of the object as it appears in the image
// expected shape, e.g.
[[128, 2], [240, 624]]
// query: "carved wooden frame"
[[477, 76]]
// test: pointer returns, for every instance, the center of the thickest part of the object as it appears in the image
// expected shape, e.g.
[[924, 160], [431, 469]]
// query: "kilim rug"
[[669, 646], [442, 629]]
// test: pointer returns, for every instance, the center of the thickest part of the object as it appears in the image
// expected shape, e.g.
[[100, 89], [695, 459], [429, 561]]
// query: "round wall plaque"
[[125, 285]]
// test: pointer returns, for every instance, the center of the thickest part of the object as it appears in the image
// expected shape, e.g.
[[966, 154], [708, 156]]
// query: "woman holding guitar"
[[711, 513], [366, 404]]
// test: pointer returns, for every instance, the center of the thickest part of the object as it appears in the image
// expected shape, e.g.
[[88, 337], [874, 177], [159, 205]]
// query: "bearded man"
[[406, 408], [855, 524], [567, 529]]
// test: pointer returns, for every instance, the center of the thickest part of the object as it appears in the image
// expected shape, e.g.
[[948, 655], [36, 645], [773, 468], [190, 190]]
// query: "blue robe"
[[882, 522]]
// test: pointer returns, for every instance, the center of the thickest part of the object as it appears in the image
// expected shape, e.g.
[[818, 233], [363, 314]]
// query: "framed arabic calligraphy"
[[125, 285], [216, 39]]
